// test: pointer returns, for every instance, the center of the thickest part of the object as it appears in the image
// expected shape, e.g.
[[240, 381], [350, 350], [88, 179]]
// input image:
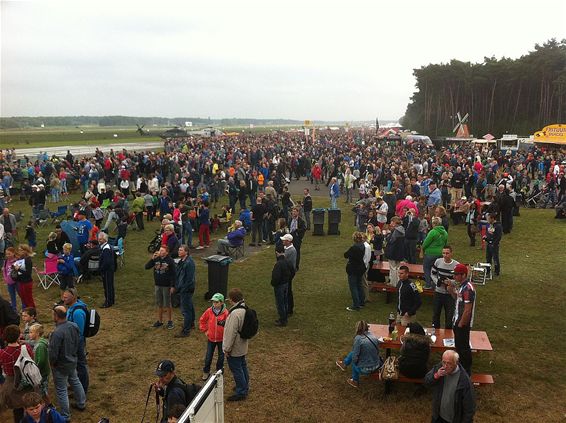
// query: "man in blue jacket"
[[77, 313], [185, 286], [106, 267], [234, 238]]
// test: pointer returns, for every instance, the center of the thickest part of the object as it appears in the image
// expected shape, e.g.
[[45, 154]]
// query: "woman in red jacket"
[[212, 322], [24, 278]]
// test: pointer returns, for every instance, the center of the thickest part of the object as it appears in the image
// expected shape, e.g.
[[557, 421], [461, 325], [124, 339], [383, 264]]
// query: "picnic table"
[[415, 271], [479, 340]]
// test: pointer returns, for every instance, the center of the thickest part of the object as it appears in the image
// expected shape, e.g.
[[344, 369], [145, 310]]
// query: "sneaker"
[[352, 309], [157, 324], [353, 383], [280, 323], [205, 376], [181, 334], [200, 247], [341, 365], [170, 325]]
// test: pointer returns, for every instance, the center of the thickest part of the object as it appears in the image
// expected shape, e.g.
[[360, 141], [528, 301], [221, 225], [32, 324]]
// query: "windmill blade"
[[465, 118], [456, 127], [144, 125], [459, 117]]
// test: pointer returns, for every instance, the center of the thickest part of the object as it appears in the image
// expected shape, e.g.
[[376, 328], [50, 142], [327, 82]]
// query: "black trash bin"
[[334, 218], [217, 275], [318, 221]]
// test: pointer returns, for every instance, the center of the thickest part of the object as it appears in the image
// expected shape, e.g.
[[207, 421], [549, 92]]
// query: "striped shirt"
[[442, 270]]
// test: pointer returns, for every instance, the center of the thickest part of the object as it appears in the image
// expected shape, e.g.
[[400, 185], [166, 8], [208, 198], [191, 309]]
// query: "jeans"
[[492, 254], [188, 232], [333, 202], [308, 220], [210, 353], [239, 369], [281, 299], [356, 371], [462, 344], [12, 289], [428, 262], [355, 283], [188, 311], [82, 366], [449, 304], [62, 376], [108, 285], [55, 195]]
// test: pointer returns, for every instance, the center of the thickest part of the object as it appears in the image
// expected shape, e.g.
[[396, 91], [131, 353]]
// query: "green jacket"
[[41, 356], [435, 241], [138, 205]]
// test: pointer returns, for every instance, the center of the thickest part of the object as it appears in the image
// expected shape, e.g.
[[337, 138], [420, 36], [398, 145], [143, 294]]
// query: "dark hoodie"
[[395, 249]]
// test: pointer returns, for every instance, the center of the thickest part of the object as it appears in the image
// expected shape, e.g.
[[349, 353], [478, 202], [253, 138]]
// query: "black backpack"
[[92, 321], [190, 390], [250, 327]]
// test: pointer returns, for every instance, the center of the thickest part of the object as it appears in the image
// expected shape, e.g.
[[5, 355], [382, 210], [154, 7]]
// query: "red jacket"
[[208, 323]]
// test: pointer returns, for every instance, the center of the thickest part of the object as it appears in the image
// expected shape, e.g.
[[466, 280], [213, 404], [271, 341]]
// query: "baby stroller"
[[155, 243]]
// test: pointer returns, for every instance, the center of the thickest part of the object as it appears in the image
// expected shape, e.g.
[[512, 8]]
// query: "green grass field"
[[54, 137], [293, 376]]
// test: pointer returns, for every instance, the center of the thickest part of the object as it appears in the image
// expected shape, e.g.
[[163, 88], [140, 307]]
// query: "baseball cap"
[[164, 367], [217, 297], [287, 237], [461, 268]]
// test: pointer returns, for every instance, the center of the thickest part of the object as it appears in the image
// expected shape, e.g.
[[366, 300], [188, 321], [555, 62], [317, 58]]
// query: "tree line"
[[107, 121], [501, 95]]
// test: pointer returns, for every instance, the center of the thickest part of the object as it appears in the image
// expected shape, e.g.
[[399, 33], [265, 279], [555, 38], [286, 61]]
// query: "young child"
[[66, 267], [31, 236], [29, 316], [212, 322], [37, 412], [41, 358]]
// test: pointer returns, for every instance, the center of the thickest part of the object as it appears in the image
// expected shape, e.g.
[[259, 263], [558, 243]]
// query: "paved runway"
[[83, 150]]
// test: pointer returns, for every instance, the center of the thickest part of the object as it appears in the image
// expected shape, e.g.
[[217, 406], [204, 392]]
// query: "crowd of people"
[[404, 197]]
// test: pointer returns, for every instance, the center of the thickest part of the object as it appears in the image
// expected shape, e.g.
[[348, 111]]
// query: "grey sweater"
[[64, 345]]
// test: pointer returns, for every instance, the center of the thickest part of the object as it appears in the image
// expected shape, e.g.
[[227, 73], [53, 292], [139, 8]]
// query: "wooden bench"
[[478, 379], [388, 289]]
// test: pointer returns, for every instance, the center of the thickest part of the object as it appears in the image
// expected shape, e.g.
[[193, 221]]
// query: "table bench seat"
[[478, 379]]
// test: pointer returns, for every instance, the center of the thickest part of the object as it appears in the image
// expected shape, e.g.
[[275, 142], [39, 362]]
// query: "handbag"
[[390, 368]]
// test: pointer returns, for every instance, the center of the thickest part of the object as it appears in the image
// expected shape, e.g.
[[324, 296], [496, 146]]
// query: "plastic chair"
[[49, 275]]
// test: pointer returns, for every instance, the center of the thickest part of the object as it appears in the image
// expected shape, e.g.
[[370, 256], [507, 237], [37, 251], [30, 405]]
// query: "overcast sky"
[[327, 60]]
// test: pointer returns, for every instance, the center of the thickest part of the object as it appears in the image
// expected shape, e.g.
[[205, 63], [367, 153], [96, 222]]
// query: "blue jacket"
[[236, 237], [335, 190], [185, 282], [68, 267], [366, 354], [77, 314], [47, 415]]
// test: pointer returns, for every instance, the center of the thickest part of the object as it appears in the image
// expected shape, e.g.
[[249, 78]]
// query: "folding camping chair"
[[61, 211], [43, 217], [119, 251], [104, 206], [49, 275]]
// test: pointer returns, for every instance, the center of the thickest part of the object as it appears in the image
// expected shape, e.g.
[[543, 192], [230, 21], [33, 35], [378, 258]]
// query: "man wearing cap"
[[185, 286], [465, 295], [291, 257], [212, 323], [235, 347], [83, 229], [76, 313], [282, 273], [170, 388]]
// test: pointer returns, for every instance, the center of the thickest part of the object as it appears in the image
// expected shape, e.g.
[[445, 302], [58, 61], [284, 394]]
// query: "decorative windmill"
[[140, 130], [461, 129]]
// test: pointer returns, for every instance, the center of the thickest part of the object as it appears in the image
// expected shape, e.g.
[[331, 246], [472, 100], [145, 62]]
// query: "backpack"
[[189, 389], [92, 321], [27, 374], [251, 323], [390, 368]]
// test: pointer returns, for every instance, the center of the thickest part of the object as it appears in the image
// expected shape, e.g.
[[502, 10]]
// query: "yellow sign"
[[552, 134], [308, 123]]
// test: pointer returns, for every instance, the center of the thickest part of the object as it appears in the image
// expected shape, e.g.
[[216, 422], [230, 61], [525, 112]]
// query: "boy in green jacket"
[[41, 358]]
